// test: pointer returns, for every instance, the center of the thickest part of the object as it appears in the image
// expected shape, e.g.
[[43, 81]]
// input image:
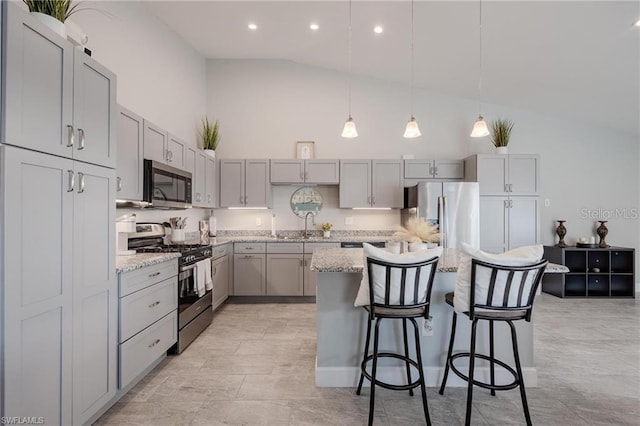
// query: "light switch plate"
[[258, 221]]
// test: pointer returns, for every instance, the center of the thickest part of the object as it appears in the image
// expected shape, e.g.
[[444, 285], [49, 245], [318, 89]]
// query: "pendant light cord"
[[480, 62], [349, 61], [412, 62]]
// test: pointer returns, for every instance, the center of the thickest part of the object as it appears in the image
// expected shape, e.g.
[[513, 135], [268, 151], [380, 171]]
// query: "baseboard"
[[348, 377]]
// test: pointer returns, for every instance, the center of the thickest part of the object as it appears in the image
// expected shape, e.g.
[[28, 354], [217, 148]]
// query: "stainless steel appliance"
[[194, 310], [165, 186], [357, 244], [453, 206]]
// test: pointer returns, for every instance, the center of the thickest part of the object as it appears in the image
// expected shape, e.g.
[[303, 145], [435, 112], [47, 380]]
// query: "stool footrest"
[[485, 385], [386, 385]]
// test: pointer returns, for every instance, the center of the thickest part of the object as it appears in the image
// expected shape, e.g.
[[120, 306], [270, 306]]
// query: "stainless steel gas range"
[[194, 304]]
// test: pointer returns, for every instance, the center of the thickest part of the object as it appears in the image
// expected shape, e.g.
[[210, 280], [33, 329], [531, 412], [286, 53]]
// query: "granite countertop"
[[140, 260], [297, 239], [351, 260]]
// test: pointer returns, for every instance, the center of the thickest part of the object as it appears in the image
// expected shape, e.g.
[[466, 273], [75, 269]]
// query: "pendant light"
[[480, 127], [349, 130], [412, 130]]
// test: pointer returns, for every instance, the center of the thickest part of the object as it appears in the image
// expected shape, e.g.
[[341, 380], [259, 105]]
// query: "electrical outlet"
[[348, 220], [427, 328], [258, 221], [547, 202]]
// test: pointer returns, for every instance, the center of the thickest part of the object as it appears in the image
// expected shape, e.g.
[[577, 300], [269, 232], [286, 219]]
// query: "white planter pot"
[[327, 234], [502, 150], [417, 246], [210, 152], [51, 22]]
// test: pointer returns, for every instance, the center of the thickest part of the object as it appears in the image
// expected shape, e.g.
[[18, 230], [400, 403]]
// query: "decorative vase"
[[417, 246], [502, 150], [210, 152], [602, 232], [327, 234], [51, 22], [561, 231]]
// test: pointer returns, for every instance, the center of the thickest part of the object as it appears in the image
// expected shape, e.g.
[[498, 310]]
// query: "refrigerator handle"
[[442, 221]]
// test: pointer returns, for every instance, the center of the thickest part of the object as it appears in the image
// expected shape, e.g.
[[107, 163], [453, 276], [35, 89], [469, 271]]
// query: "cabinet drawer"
[[141, 278], [310, 247], [220, 251], [142, 308], [250, 248], [142, 350], [284, 248]]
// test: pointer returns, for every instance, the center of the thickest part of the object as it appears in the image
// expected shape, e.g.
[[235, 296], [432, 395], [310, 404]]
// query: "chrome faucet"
[[306, 232]]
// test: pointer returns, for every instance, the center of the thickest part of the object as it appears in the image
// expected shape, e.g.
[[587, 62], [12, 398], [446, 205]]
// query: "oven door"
[[166, 186], [190, 304]]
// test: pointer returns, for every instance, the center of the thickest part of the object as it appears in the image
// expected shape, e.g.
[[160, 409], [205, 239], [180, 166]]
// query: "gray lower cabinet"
[[249, 269], [220, 273], [60, 302], [67, 93], [130, 153], [285, 269], [508, 222], [148, 317]]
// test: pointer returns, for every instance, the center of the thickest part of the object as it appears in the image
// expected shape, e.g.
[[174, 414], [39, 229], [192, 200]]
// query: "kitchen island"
[[341, 327]]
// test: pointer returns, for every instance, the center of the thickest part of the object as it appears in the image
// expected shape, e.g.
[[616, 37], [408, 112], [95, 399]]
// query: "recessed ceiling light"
[[314, 26], [252, 26], [378, 29]]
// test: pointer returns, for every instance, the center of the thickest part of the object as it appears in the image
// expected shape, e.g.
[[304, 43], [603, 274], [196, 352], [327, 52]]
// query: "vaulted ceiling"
[[578, 60]]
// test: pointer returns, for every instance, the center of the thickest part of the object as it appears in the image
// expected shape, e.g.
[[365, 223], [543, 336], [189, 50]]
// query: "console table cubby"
[[593, 272]]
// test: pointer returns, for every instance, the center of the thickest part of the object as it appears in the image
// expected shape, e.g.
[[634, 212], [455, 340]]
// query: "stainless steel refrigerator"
[[453, 206]]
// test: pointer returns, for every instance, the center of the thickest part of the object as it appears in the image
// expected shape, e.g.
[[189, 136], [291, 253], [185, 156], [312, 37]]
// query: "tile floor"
[[255, 366]]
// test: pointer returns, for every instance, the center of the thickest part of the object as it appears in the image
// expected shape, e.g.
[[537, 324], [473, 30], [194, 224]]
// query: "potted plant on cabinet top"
[[501, 132], [210, 136], [326, 229], [52, 13]]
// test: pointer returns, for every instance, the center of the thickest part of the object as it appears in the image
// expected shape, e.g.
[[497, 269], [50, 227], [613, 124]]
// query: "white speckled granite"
[[137, 261], [298, 239], [351, 260]]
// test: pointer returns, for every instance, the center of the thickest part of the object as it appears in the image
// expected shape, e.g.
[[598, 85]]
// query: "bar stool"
[[509, 297], [405, 294]]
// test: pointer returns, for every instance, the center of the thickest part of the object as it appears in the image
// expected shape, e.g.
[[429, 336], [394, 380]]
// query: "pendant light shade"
[[349, 130], [480, 128], [412, 130]]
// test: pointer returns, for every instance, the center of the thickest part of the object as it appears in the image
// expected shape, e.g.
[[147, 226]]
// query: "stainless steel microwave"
[[166, 186]]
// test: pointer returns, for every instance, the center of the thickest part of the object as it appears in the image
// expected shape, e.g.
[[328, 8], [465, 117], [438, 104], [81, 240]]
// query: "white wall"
[[264, 107]]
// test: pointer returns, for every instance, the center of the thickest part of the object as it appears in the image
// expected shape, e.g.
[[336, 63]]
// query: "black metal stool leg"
[[366, 352], [406, 353], [446, 364], [491, 363], [423, 388], [516, 356], [472, 357], [373, 372]]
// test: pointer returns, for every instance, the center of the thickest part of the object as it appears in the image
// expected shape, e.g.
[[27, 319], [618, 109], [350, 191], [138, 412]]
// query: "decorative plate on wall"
[[306, 199]]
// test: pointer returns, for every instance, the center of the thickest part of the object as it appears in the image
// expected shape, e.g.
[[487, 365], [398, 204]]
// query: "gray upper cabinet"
[[210, 182], [175, 151], [94, 117], [244, 183], [59, 100], [434, 169], [203, 171], [371, 183], [129, 156], [326, 172], [155, 142], [513, 174]]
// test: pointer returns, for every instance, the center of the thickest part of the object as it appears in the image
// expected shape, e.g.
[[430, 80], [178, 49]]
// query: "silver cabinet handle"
[[368, 200], [506, 204], [81, 188], [118, 184], [208, 198], [171, 156], [245, 199], [301, 263], [301, 175], [155, 274], [154, 304], [430, 170], [72, 180], [306, 176], [510, 187], [248, 248], [81, 137], [198, 196], [305, 263], [506, 187], [215, 271], [155, 342], [435, 171], [70, 135], [248, 257], [373, 201]]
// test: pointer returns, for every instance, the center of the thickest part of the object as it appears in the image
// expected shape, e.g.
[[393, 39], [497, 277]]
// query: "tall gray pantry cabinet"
[[57, 183]]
